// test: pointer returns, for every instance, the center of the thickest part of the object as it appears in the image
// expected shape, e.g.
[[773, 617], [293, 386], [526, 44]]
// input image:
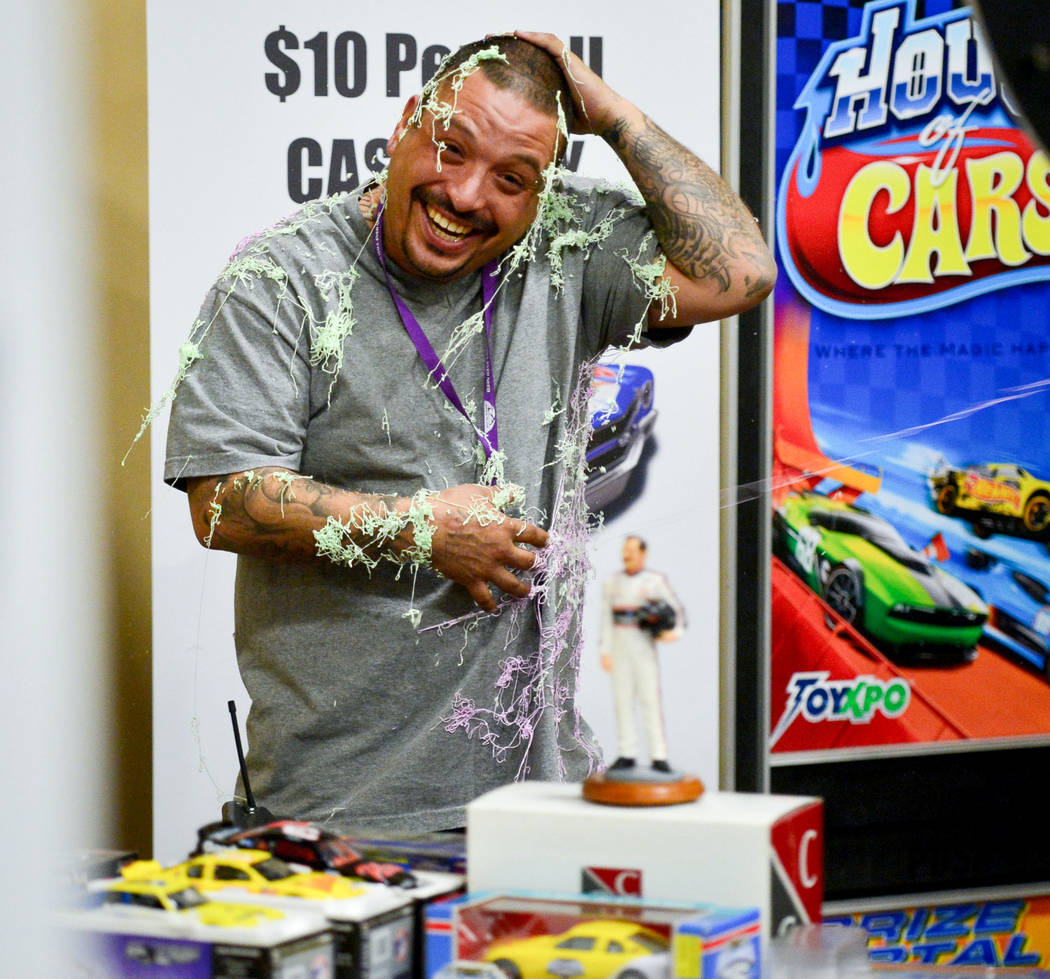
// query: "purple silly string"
[[547, 681]]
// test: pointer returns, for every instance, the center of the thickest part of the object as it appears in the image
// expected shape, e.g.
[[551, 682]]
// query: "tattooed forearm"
[[272, 512], [704, 229]]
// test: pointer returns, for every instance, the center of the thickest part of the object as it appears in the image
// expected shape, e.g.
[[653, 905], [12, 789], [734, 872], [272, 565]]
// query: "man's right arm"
[[276, 514]]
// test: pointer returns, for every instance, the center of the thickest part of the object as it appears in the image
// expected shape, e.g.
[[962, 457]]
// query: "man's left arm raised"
[[717, 260]]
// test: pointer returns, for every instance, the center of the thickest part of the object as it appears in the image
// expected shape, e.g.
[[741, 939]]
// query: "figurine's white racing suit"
[[633, 651]]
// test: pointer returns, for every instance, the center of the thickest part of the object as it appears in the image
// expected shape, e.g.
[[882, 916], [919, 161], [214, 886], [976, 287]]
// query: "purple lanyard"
[[490, 436]]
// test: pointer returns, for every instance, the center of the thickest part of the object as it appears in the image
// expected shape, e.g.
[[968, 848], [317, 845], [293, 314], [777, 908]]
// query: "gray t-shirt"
[[350, 704]]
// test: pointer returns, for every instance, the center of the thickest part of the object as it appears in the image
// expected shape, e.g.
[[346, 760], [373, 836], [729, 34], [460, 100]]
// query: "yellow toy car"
[[995, 496], [590, 950], [256, 871], [176, 897]]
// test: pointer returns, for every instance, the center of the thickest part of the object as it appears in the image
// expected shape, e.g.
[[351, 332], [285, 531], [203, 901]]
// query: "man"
[[628, 651], [367, 440]]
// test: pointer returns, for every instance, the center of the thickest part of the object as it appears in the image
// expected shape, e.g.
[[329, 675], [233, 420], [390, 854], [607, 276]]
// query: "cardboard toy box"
[[110, 943], [434, 888], [442, 852], [373, 934], [511, 936], [376, 935], [728, 849]]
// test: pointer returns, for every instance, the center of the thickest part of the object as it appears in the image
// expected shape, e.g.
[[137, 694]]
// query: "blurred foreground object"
[[1019, 35]]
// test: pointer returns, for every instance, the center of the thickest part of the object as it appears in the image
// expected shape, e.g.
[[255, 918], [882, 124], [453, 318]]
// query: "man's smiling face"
[[444, 224]]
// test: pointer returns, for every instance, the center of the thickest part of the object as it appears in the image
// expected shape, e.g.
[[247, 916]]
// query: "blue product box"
[[719, 944]]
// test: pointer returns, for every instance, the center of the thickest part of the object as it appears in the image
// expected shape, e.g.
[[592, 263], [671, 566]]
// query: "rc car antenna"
[[255, 816]]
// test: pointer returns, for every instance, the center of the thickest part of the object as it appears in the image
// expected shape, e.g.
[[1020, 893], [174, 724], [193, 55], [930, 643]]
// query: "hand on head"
[[597, 105]]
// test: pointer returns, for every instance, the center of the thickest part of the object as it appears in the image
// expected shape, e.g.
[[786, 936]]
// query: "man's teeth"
[[450, 228]]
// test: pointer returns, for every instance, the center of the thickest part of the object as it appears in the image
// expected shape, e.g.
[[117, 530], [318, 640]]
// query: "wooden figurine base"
[[621, 790]]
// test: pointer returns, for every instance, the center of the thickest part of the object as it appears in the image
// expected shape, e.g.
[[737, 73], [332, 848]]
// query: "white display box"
[[123, 943], [727, 848], [432, 884], [376, 935], [373, 934]]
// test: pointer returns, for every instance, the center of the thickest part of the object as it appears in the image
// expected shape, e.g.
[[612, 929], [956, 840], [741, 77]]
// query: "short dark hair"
[[642, 546], [530, 71]]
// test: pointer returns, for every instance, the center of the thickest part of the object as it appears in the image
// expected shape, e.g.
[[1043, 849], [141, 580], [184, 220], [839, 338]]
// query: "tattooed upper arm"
[[703, 227]]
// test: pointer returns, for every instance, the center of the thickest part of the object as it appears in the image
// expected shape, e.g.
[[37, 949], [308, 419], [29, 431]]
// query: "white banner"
[[253, 108]]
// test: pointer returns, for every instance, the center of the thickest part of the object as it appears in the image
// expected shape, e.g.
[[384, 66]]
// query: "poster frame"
[[922, 819]]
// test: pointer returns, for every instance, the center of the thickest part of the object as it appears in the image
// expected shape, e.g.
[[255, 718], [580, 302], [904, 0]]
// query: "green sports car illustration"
[[865, 572]]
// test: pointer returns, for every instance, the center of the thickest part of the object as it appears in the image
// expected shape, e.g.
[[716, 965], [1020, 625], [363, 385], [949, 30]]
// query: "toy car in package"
[[519, 936]]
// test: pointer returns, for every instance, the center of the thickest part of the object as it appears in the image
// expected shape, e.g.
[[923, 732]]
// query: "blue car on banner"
[[622, 417], [1018, 603]]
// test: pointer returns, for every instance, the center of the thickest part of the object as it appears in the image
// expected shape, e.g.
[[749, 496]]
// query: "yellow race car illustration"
[[995, 496]]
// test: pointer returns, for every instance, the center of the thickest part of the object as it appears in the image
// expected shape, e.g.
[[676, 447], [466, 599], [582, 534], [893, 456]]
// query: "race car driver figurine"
[[639, 610]]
